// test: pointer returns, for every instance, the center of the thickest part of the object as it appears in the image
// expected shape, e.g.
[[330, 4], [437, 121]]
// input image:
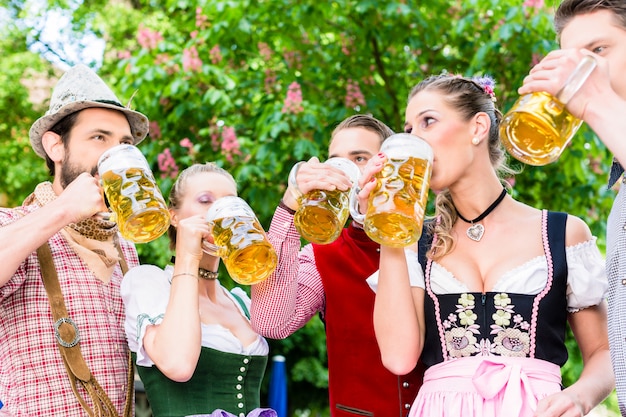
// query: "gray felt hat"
[[81, 88]]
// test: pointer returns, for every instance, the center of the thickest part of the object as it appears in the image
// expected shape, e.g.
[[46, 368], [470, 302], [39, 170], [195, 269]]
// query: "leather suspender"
[[68, 340]]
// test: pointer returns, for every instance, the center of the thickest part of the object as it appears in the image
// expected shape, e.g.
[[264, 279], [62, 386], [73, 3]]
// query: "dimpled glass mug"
[[136, 202], [538, 127], [322, 214], [395, 211], [240, 241]]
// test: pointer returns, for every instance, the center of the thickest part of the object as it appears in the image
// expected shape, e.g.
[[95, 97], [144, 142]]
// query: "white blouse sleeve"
[[416, 275], [241, 293], [587, 282], [145, 291]]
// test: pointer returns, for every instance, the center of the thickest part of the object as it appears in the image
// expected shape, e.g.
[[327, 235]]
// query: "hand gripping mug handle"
[[576, 79], [211, 248]]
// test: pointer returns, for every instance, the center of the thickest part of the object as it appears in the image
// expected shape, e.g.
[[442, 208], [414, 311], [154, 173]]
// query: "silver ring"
[[57, 334]]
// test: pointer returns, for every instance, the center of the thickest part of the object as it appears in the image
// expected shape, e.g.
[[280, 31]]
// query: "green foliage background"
[[251, 51]]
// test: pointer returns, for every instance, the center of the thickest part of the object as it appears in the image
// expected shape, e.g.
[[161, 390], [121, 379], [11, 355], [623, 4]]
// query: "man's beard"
[[70, 171]]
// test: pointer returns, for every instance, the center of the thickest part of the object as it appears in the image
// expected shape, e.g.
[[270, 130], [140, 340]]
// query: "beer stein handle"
[[211, 248], [354, 206], [576, 79], [105, 215], [293, 184]]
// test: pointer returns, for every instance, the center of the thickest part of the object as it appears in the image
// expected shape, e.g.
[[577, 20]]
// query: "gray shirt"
[[616, 271]]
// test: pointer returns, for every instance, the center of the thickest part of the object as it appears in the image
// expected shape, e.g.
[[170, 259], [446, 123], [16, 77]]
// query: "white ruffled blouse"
[[587, 283], [146, 290]]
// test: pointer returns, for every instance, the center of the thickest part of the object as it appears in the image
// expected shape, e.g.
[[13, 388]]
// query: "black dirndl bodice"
[[500, 323]]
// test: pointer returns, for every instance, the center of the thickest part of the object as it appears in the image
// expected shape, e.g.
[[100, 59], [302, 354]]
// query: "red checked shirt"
[[295, 292], [33, 379], [335, 285]]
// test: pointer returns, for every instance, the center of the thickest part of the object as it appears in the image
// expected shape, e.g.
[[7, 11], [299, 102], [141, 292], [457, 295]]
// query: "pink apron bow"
[[491, 378]]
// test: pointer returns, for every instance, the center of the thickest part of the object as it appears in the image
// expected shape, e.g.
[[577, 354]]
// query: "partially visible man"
[[598, 28], [331, 280], [83, 121]]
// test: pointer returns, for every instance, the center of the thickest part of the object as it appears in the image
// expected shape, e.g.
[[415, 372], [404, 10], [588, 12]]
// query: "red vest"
[[358, 383]]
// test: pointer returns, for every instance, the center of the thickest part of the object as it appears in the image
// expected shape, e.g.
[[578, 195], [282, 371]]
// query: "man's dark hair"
[[569, 9]]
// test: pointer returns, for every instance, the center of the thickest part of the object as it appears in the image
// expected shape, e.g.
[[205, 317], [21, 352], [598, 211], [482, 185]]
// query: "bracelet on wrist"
[[184, 273]]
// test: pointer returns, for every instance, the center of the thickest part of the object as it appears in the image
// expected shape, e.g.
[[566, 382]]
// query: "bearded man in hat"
[[38, 347]]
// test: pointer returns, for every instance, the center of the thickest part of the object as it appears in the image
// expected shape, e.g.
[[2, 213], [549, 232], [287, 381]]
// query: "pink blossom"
[[215, 140], [270, 81], [346, 44], [537, 4], [293, 58], [191, 62], [264, 51], [172, 69], [186, 143], [148, 39], [193, 34], [167, 164], [123, 54], [354, 97], [155, 130], [230, 144], [293, 101], [215, 54], [161, 59], [200, 18]]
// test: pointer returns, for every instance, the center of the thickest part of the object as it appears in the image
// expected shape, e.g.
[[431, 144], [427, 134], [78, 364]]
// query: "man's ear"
[[53, 145]]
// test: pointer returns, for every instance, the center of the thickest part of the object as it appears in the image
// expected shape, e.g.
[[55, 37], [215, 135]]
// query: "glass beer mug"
[[136, 202], [322, 214], [538, 127], [240, 241], [396, 205]]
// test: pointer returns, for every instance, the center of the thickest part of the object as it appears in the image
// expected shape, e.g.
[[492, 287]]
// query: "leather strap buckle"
[[57, 333]]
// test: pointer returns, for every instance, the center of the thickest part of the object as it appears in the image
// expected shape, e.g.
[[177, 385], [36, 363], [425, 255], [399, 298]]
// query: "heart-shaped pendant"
[[475, 232]]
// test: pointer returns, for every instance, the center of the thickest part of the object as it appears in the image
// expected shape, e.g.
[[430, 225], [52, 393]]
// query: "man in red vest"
[[331, 280]]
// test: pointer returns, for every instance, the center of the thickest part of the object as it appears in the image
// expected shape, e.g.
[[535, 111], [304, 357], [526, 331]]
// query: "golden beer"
[[137, 204], [322, 215], [395, 213], [537, 129], [244, 248]]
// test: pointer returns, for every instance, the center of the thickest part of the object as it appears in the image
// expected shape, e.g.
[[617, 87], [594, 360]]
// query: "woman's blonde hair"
[[469, 97], [179, 188]]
